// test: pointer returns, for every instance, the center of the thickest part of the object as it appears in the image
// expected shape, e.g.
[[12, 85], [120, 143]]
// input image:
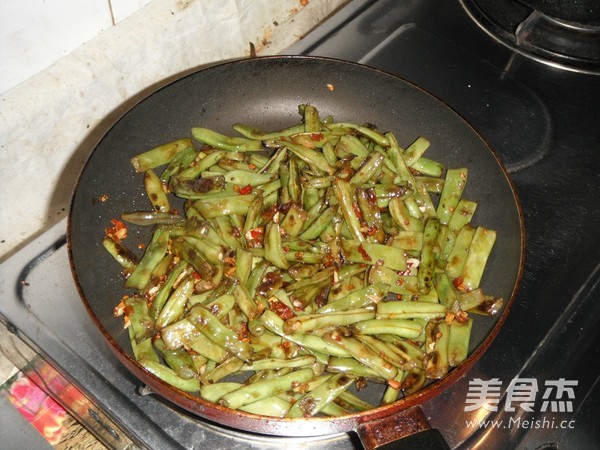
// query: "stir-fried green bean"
[[305, 260]]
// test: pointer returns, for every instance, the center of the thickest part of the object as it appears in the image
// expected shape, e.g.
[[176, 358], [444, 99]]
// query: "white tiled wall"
[[36, 33]]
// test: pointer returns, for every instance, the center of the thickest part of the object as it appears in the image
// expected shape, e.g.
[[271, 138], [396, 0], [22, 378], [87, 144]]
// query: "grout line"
[[112, 16]]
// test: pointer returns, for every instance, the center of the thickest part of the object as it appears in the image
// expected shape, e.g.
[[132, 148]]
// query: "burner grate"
[[564, 43]]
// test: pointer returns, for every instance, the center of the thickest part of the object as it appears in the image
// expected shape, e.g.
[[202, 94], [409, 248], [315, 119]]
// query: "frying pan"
[[266, 92]]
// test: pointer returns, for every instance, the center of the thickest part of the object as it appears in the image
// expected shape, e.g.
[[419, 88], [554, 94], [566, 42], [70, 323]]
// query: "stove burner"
[[564, 40]]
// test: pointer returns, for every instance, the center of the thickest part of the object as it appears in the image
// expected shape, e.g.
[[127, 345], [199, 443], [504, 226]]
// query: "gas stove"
[[537, 108]]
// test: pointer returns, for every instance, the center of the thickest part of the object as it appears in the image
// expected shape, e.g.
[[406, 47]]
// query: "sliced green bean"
[[402, 327], [479, 252], [460, 251], [154, 253], [314, 401], [410, 310], [210, 208], [429, 167], [357, 299], [160, 155], [313, 158], [398, 284], [175, 305], [273, 250], [125, 257], [265, 388], [371, 133], [308, 322], [427, 263], [218, 140], [374, 254], [363, 353], [352, 368], [156, 194], [415, 150], [454, 185], [169, 376], [345, 196], [436, 358], [458, 341], [271, 406], [220, 334]]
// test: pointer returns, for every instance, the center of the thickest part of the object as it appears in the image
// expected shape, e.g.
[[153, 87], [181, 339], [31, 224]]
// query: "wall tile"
[[121, 9], [36, 33]]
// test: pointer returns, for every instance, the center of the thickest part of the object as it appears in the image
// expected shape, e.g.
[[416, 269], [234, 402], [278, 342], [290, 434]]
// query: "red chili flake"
[[281, 309], [118, 231], [255, 233], [316, 136], [269, 213], [372, 230], [242, 332], [251, 166], [245, 190], [328, 260], [363, 252], [357, 210], [229, 260], [196, 276], [459, 284]]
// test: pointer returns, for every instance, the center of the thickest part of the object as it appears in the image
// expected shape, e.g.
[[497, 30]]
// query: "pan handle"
[[405, 430]]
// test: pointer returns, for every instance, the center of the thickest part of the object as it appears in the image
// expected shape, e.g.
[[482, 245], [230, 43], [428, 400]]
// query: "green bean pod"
[[454, 185], [125, 257], [154, 253], [374, 254], [402, 327], [175, 305], [363, 353], [264, 388], [313, 402], [458, 341], [436, 358], [479, 252], [160, 155], [415, 150], [308, 322], [410, 310], [169, 376], [220, 334], [427, 263], [272, 243], [359, 298], [156, 194], [460, 251], [345, 196], [220, 141]]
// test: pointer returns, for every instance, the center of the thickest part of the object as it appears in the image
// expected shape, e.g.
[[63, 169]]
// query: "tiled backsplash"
[[36, 33]]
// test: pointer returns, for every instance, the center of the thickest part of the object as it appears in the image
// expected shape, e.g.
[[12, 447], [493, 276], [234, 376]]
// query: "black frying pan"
[[266, 92]]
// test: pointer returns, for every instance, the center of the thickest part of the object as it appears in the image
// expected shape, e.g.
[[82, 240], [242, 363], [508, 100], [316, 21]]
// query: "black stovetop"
[[542, 120]]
